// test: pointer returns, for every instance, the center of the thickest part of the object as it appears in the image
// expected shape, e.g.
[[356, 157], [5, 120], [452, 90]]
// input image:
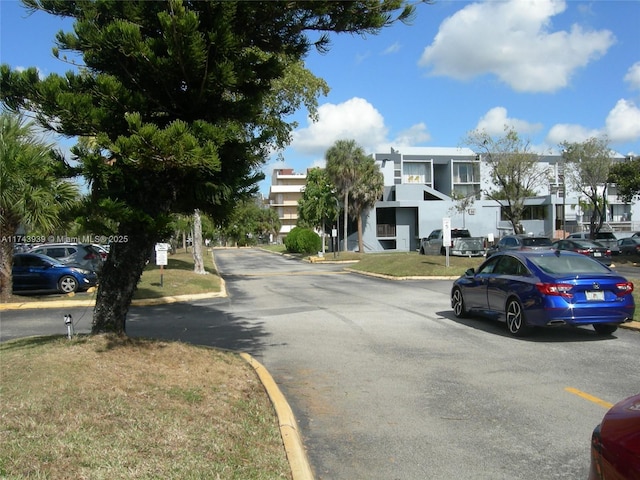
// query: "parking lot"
[[386, 383]]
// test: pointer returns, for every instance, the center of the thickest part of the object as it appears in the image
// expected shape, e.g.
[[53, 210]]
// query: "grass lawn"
[[104, 407]]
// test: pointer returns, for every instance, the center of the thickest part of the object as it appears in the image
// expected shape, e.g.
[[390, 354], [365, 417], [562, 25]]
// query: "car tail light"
[[90, 256], [607, 253], [637, 248], [556, 289], [583, 251], [624, 288]]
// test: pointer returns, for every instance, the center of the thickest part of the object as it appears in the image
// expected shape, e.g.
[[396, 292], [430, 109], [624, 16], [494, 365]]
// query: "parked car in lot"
[[462, 244], [607, 239], [615, 443], [629, 246], [519, 242], [82, 255], [544, 288], [585, 247], [37, 272], [102, 250]]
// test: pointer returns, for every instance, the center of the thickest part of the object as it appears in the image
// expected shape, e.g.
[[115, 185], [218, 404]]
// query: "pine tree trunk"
[[198, 263], [118, 280]]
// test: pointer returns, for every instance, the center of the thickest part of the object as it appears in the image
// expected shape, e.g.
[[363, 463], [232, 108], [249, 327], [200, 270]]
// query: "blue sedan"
[[545, 288], [37, 272]]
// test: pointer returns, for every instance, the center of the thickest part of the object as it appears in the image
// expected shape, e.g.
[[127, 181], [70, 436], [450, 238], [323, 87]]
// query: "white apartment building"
[[418, 184], [284, 193]]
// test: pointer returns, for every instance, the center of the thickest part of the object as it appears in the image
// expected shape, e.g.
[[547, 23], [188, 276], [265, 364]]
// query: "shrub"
[[291, 240], [303, 240]]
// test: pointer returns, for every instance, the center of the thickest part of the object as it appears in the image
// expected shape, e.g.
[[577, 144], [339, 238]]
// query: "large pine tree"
[[177, 100]]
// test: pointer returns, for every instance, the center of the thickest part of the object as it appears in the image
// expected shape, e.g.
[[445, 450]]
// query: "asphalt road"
[[385, 382]]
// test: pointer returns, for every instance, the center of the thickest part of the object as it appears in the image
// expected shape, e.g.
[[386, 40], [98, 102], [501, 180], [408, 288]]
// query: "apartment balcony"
[[385, 230]]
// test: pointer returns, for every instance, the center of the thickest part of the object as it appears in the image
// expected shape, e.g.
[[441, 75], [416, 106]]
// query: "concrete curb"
[[90, 303], [296, 454]]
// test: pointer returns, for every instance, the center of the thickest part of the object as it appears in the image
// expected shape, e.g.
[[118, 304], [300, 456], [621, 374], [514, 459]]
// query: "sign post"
[[162, 254], [334, 235], [446, 236]]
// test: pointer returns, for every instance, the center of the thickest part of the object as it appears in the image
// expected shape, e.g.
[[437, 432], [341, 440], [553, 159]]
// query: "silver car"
[[77, 254]]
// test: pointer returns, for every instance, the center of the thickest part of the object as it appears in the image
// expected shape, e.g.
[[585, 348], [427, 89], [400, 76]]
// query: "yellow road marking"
[[591, 398]]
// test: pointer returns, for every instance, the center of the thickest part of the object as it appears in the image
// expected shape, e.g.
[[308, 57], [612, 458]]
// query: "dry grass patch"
[[104, 407]]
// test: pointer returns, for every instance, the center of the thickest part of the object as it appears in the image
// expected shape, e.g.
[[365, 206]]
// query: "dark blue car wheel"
[[67, 284], [515, 319], [605, 328], [457, 302]]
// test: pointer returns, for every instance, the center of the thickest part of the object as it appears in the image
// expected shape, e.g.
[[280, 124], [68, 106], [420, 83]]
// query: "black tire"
[[605, 328], [68, 284], [457, 303], [516, 323]]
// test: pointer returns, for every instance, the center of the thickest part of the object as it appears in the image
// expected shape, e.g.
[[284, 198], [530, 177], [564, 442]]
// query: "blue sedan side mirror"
[[470, 272]]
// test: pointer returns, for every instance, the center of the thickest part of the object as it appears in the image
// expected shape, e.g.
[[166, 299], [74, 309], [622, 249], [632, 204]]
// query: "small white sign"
[[446, 232], [334, 232], [162, 257], [163, 247]]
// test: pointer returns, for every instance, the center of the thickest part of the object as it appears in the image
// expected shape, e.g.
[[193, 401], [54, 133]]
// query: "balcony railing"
[[385, 230]]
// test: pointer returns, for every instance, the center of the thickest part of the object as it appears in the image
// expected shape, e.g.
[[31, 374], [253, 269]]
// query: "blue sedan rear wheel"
[[457, 301], [605, 328], [67, 284], [515, 319]]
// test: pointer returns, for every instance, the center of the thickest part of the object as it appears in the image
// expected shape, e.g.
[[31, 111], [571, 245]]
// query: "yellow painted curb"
[[296, 454]]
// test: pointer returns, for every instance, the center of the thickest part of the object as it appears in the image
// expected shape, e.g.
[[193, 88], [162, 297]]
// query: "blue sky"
[[555, 70]]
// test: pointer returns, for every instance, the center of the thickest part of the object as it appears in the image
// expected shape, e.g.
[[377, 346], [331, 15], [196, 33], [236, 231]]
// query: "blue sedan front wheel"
[[457, 302], [67, 284], [515, 319]]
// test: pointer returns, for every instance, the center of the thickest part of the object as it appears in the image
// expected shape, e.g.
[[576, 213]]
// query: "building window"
[[416, 173], [532, 212], [466, 172], [468, 190]]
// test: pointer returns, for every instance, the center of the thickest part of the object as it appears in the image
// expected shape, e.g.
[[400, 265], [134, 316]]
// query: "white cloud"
[[623, 122], [621, 125], [412, 136], [354, 119], [395, 48], [633, 76], [562, 132], [494, 121], [513, 40]]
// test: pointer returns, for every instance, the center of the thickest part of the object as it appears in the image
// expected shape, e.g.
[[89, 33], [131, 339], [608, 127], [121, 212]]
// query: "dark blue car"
[[37, 272], [545, 288]]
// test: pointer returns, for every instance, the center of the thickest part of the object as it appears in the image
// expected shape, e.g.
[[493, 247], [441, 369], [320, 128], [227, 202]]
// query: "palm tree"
[[366, 192], [342, 167], [32, 193]]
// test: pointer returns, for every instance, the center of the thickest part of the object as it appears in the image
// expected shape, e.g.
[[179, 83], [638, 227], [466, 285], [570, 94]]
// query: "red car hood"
[[620, 434]]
